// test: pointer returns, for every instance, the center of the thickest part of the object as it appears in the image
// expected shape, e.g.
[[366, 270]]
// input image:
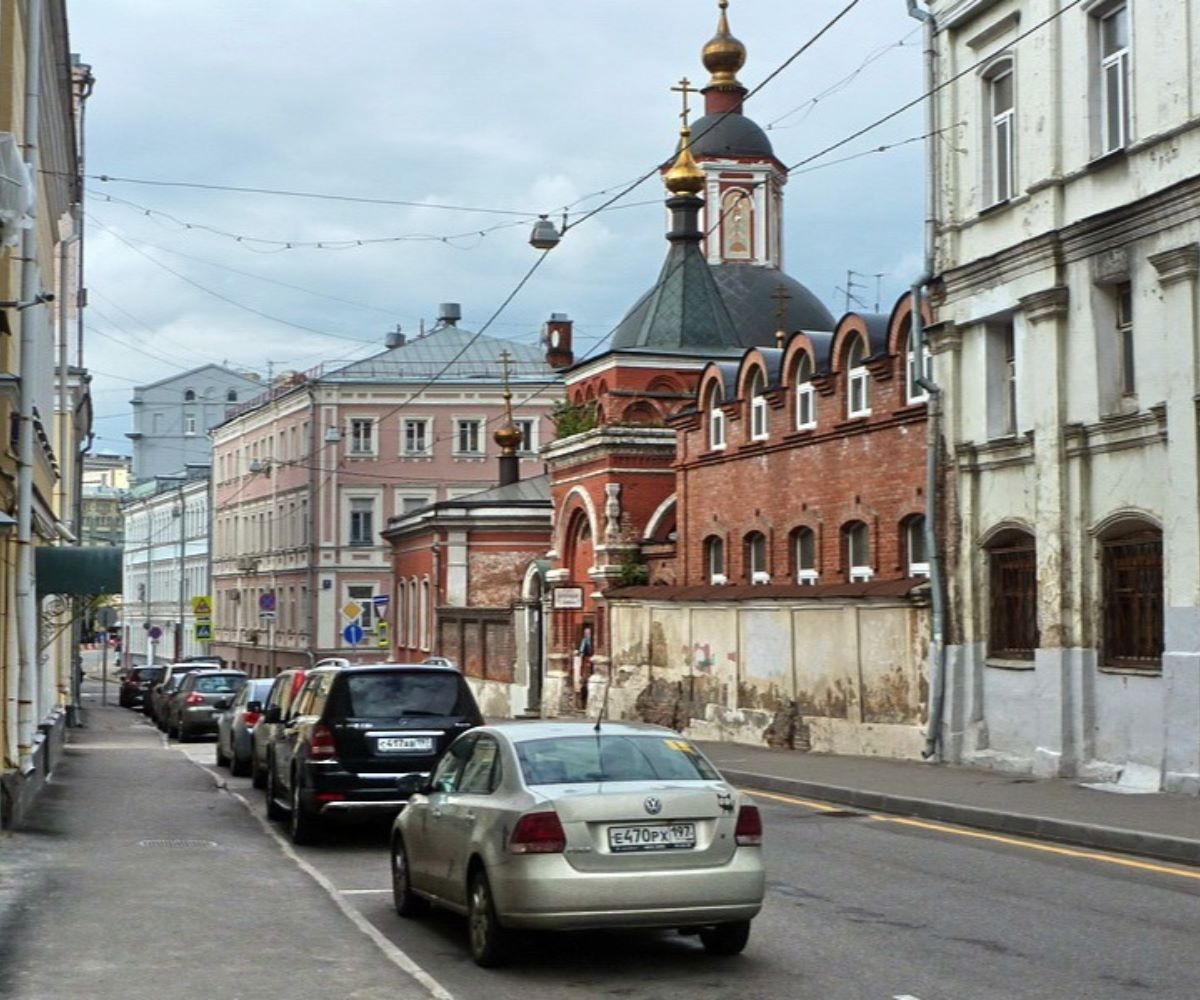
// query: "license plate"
[[659, 837], [404, 744]]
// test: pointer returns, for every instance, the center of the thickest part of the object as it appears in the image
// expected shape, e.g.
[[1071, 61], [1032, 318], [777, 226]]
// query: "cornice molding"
[[1180, 264], [1048, 304]]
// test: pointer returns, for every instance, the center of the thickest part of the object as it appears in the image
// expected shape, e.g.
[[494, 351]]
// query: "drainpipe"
[[937, 650], [32, 297]]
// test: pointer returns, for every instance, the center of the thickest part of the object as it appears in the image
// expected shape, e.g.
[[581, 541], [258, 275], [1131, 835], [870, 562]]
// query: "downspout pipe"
[[26, 594], [933, 413]]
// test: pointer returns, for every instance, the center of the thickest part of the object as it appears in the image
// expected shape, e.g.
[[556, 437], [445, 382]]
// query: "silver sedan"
[[552, 825]]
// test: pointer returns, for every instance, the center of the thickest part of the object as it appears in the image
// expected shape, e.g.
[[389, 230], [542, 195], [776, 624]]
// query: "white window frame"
[[714, 559], [716, 427], [359, 444], [806, 575], [806, 397], [758, 573], [858, 382], [357, 506], [529, 436], [1001, 128], [913, 391], [461, 426], [860, 572], [914, 531], [1126, 345], [759, 428], [367, 618], [1112, 65], [189, 425], [415, 422]]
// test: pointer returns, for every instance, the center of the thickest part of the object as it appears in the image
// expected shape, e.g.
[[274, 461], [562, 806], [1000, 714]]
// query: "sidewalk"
[[1155, 825]]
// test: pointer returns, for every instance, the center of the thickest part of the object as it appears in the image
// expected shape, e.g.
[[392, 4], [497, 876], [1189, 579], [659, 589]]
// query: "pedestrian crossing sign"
[[202, 606], [204, 631]]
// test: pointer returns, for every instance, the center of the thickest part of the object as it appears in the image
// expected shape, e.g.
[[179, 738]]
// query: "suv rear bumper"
[[358, 793]]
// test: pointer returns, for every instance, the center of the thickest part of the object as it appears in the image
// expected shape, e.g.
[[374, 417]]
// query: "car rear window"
[[569, 759], [394, 694], [221, 684], [146, 673]]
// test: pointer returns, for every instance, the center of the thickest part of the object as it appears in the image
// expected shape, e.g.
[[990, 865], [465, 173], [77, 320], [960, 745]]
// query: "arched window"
[[1131, 574], [231, 396], [914, 392], [714, 559], [858, 400], [756, 558], [856, 541], [737, 217], [716, 418], [806, 399], [189, 395], [916, 559], [758, 406], [804, 555], [426, 617], [1012, 596], [414, 615], [998, 142]]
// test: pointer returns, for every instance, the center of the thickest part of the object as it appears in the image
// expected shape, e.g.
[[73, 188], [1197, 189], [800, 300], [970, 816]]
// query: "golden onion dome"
[[724, 55], [508, 437], [685, 175]]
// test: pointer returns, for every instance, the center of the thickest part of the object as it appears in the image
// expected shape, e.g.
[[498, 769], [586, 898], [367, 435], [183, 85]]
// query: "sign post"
[[103, 668]]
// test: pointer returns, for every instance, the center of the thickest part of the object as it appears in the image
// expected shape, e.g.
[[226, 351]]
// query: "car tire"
[[258, 775], [726, 939], [238, 767], [222, 759], [407, 902], [182, 733], [274, 809], [489, 941], [303, 828]]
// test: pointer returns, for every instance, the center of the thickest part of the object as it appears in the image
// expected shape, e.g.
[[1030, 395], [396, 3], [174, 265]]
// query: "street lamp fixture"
[[545, 235]]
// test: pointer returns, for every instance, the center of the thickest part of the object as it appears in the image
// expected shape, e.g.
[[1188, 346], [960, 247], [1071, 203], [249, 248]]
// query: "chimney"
[[556, 338], [449, 313], [394, 338]]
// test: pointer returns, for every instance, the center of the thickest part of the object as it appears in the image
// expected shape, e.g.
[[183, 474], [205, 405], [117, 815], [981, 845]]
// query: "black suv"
[[354, 732]]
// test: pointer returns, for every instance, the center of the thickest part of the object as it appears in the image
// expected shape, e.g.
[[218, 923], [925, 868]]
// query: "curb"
[[1104, 838]]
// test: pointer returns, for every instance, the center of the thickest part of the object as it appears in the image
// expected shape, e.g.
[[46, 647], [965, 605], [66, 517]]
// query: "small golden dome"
[[724, 55], [508, 437], [685, 175]]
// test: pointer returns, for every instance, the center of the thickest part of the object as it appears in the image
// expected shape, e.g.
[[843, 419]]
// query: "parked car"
[[236, 723], [354, 732], [156, 697], [282, 697], [135, 682], [560, 826], [201, 696]]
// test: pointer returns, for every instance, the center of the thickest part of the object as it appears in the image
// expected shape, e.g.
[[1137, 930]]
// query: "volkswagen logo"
[[653, 805]]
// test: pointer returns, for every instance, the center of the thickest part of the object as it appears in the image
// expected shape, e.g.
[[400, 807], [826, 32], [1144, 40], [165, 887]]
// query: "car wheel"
[[238, 766], [302, 828], [726, 939], [489, 941], [407, 902], [274, 809], [182, 733], [258, 775], [222, 758]]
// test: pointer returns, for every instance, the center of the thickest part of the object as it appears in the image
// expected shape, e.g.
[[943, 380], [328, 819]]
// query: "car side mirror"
[[273, 715], [415, 783], [254, 706], [222, 703]]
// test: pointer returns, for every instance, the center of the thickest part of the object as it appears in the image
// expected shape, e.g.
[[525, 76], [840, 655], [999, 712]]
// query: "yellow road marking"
[[1147, 866]]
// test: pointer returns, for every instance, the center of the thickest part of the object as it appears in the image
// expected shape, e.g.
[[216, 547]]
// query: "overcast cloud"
[[525, 106]]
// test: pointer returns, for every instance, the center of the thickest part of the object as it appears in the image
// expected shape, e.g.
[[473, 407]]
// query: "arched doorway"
[[533, 594]]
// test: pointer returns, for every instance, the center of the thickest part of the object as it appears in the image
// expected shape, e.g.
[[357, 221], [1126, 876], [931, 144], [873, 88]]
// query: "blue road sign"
[[155, 633], [353, 633], [266, 601]]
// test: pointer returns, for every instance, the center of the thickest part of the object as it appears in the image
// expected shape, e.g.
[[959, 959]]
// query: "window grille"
[[1132, 571], [1013, 632]]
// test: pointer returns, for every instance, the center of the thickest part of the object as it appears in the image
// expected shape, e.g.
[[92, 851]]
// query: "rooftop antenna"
[[851, 284]]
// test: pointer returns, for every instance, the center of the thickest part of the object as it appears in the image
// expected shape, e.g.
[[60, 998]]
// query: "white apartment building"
[[166, 564], [1067, 194]]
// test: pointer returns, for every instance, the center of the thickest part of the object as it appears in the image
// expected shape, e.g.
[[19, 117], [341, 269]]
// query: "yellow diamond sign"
[[352, 610]]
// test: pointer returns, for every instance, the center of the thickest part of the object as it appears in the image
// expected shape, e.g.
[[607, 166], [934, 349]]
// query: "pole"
[[104, 667], [182, 568]]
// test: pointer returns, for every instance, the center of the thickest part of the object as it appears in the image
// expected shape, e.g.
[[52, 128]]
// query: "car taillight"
[[538, 833], [250, 718], [748, 832], [194, 699], [322, 742]]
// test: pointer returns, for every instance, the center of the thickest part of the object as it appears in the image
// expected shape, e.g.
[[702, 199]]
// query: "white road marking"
[[905, 996], [394, 954], [361, 892]]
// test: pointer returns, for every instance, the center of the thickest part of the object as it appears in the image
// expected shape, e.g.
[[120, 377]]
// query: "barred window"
[[1132, 582], [1012, 618]]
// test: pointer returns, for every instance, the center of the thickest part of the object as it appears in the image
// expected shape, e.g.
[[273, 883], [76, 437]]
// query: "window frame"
[[858, 571], [1000, 169], [1123, 300], [806, 397], [857, 378], [756, 556], [355, 510], [807, 573], [1012, 626], [472, 427], [411, 423], [913, 391], [716, 420], [1140, 626], [528, 426], [714, 558], [914, 542], [759, 424], [1112, 65], [355, 440]]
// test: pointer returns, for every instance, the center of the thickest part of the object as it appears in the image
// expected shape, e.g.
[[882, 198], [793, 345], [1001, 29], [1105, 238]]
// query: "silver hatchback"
[[555, 825]]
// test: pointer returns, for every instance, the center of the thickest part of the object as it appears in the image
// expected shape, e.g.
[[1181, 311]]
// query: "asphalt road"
[[858, 907]]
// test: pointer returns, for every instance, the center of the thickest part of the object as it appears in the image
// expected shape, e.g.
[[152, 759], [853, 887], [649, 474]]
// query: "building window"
[[758, 406], [914, 391], [410, 504], [714, 559], [189, 424], [806, 398], [528, 429], [189, 395], [716, 420], [1012, 585], [1124, 302], [1132, 582], [362, 521], [466, 437], [362, 436], [804, 549], [426, 623], [416, 437], [1112, 100], [858, 402], [361, 595], [756, 558], [231, 396], [915, 555], [857, 543], [413, 614], [1001, 379], [998, 157]]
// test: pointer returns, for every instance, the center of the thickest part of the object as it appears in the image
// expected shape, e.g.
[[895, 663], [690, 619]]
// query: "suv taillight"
[[194, 699], [322, 742], [538, 833], [250, 718], [748, 832]]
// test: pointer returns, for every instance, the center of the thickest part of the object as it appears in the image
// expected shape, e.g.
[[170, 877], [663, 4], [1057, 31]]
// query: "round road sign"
[[155, 632], [353, 633]]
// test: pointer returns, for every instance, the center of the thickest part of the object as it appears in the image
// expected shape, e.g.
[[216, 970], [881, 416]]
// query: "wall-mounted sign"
[[568, 597]]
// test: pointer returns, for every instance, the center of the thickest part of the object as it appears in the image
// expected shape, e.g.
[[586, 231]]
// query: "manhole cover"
[[183, 842], [837, 813]]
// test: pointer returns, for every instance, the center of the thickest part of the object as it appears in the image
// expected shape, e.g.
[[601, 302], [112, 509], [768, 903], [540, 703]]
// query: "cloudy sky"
[[479, 115]]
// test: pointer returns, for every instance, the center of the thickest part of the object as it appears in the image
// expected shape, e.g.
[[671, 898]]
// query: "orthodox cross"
[[505, 357], [781, 297], [685, 87]]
